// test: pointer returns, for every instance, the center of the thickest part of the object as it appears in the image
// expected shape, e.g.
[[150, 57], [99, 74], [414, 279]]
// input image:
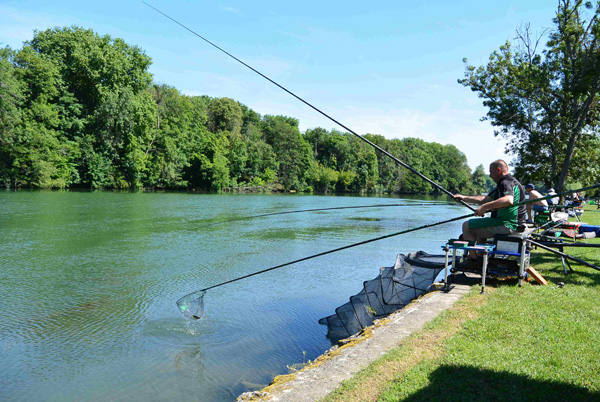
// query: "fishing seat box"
[[584, 228], [542, 217], [512, 243]]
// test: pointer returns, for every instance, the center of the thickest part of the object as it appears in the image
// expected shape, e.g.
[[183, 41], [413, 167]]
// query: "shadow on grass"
[[463, 383]]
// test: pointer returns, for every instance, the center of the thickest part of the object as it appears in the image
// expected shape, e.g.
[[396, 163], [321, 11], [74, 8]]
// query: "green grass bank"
[[534, 343]]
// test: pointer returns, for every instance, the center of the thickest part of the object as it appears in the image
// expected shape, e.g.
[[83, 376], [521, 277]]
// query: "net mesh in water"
[[395, 287], [192, 305]]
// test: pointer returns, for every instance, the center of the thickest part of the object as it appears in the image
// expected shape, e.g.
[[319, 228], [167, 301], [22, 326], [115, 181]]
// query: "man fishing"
[[505, 217], [538, 206]]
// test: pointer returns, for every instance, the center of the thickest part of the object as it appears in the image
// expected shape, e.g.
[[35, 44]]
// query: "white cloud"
[[231, 10]]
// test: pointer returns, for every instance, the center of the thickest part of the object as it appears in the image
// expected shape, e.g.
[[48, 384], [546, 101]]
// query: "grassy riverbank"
[[529, 343]]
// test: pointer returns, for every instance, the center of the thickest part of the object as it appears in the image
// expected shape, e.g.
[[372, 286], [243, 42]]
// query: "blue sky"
[[386, 67]]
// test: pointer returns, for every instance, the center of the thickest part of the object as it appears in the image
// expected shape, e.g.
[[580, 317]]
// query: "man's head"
[[498, 169], [530, 187]]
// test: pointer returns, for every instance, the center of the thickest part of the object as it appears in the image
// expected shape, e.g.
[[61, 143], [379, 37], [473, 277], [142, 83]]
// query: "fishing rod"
[[404, 164], [567, 256], [378, 206], [191, 305], [325, 209], [547, 197]]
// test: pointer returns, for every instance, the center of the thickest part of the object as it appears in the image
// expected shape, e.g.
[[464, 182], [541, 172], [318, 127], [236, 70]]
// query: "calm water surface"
[[89, 283]]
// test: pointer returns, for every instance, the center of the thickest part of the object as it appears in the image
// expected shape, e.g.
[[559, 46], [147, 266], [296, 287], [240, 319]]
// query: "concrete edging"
[[316, 382]]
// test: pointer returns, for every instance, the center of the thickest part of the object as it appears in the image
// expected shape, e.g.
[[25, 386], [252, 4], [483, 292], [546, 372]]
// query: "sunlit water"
[[89, 283]]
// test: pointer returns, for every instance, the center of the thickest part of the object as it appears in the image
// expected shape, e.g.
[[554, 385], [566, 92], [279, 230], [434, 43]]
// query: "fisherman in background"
[[553, 200], [505, 216], [538, 206]]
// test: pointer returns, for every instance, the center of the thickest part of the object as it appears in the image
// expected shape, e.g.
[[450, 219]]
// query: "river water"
[[89, 283]]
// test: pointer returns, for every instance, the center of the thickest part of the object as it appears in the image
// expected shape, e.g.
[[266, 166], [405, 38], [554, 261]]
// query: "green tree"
[[209, 167], [93, 66], [390, 173], [11, 103], [546, 102], [124, 125], [293, 152], [225, 114], [41, 155], [73, 80], [481, 181]]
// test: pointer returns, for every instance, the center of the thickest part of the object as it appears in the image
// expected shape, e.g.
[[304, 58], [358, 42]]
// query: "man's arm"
[[477, 199], [501, 202]]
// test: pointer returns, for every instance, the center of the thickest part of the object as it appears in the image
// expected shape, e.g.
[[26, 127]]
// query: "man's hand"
[[459, 197], [480, 211]]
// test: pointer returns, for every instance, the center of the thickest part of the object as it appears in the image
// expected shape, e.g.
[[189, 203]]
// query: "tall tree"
[[225, 114], [11, 104], [293, 152], [545, 103]]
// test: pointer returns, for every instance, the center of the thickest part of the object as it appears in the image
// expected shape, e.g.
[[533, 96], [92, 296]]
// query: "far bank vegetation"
[[80, 110]]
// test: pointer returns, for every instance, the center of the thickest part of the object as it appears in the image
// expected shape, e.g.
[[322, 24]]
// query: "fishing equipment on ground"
[[326, 209], [410, 277], [192, 305], [398, 161]]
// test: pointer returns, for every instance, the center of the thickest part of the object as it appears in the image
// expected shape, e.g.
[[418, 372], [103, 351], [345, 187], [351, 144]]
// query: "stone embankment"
[[341, 363]]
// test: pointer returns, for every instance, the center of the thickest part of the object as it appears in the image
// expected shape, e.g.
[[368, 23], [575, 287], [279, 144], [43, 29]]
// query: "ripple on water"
[[185, 332], [90, 281]]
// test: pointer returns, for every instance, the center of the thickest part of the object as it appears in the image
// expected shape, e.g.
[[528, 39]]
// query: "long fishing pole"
[[376, 206], [338, 249], [380, 238], [198, 296], [407, 166], [567, 256], [326, 209], [385, 237]]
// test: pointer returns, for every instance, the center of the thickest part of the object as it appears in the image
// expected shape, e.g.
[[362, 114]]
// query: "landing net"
[[411, 276], [192, 305]]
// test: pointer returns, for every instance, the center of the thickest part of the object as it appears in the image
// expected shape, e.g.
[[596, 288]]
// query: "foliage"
[[80, 110], [11, 112], [546, 103], [481, 180]]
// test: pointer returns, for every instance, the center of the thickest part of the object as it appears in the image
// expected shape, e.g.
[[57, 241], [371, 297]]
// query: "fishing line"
[[324, 209], [422, 176], [385, 205]]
